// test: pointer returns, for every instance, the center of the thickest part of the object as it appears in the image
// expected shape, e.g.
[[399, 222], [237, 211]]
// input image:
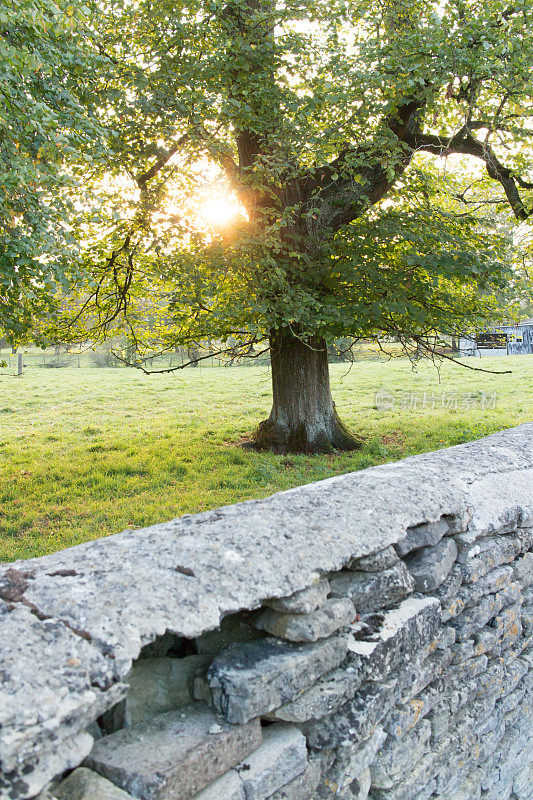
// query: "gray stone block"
[[300, 788], [486, 554], [426, 535], [508, 625], [416, 783], [228, 787], [38, 659], [525, 534], [332, 615], [280, 759], [400, 634], [161, 684], [523, 570], [450, 585], [352, 759], [322, 699], [355, 720], [431, 565], [494, 581], [255, 678], [303, 602], [485, 641], [358, 788], [34, 774], [404, 717], [468, 790], [375, 562], [417, 675], [399, 757], [372, 591], [84, 784], [475, 618], [178, 753]]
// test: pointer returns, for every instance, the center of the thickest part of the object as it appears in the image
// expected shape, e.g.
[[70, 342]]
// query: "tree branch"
[[143, 179], [464, 143]]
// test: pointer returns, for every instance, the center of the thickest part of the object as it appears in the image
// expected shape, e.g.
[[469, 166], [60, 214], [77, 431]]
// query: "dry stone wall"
[[369, 636]]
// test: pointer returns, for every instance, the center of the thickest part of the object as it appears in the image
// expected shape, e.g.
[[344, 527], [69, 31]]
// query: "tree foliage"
[[371, 145], [49, 138]]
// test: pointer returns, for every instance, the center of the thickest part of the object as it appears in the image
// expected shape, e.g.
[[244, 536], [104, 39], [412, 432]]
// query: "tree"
[[49, 137], [345, 129]]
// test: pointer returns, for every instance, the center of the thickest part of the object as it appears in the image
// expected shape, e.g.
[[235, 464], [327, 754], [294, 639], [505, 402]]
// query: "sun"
[[219, 210]]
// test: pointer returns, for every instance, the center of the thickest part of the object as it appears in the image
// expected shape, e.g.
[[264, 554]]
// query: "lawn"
[[89, 452]]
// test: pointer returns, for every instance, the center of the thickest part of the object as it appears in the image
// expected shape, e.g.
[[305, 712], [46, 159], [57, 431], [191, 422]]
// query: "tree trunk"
[[303, 417]]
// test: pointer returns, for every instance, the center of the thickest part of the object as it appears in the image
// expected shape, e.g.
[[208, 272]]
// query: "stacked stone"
[[468, 732], [408, 675]]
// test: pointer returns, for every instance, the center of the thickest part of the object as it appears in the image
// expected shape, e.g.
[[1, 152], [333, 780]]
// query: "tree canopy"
[[49, 137], [372, 146]]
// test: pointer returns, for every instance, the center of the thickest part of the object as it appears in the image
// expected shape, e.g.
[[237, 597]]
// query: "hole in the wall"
[[170, 646], [113, 719], [182, 648]]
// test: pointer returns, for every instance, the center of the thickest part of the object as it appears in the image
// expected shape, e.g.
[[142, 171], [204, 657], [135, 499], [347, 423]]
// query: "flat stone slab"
[[401, 634], [84, 784], [228, 787], [252, 679], [280, 759], [430, 566], [375, 562], [327, 694], [176, 754], [370, 591], [303, 602], [425, 535], [332, 615], [355, 720], [301, 788]]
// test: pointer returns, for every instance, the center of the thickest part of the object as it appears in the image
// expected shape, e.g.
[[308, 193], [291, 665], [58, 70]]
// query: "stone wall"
[[366, 636]]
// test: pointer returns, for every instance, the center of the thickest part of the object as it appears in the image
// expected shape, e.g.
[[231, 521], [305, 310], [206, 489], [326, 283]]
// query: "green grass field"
[[89, 452]]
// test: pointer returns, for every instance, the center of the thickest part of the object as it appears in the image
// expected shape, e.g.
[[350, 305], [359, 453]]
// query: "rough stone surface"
[[303, 602], [84, 784], [322, 699], [228, 787], [280, 759], [376, 562], [370, 591], [333, 615], [255, 678], [399, 756], [400, 634], [37, 660], [483, 556], [160, 684], [426, 535], [355, 720], [71, 623], [302, 787], [431, 565], [353, 759], [177, 752]]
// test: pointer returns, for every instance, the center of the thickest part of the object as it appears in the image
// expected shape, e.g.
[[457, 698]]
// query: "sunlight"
[[218, 210]]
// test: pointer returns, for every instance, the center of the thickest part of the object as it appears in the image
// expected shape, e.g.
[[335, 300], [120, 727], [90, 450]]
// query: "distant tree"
[[353, 134]]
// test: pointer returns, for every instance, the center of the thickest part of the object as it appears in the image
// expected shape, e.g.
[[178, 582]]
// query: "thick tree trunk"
[[303, 417]]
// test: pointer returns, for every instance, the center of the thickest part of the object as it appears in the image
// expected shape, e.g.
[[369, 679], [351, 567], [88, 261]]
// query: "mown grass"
[[88, 452]]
